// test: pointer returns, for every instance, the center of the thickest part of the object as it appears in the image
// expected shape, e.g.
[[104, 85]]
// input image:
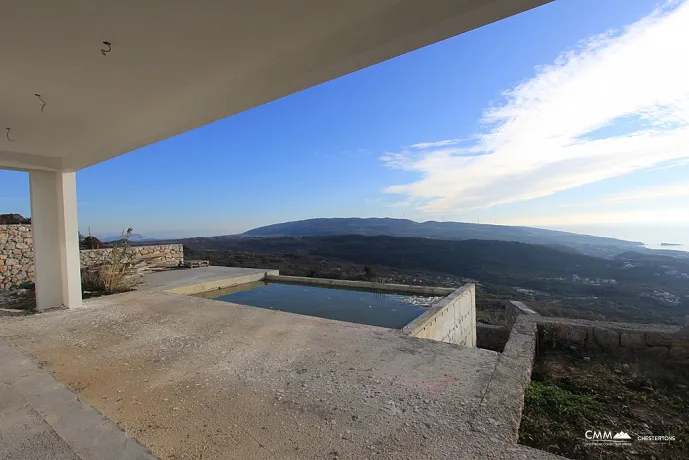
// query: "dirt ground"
[[570, 395]]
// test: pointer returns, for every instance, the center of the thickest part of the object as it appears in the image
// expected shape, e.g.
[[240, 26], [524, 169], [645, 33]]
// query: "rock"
[[606, 338], [625, 367], [633, 340], [586, 358], [658, 339]]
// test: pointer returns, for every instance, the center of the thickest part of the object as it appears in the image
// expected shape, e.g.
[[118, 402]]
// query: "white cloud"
[[618, 103], [664, 215], [637, 195], [426, 145], [650, 193]]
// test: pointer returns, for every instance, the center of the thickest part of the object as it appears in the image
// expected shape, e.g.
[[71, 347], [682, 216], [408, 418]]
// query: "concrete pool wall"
[[452, 320]]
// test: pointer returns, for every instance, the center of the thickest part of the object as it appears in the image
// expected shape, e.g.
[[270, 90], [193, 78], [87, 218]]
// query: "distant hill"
[[480, 259], [585, 244], [133, 238], [632, 287], [13, 219]]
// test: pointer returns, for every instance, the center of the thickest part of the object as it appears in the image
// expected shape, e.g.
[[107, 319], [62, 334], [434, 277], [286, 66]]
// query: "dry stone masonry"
[[171, 255], [16, 255]]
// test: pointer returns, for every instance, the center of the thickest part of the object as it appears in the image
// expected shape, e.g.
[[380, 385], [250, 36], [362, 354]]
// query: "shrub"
[[368, 272], [91, 242], [119, 273]]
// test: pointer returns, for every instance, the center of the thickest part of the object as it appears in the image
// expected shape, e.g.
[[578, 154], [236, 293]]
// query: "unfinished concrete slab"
[[196, 378], [195, 280], [41, 419]]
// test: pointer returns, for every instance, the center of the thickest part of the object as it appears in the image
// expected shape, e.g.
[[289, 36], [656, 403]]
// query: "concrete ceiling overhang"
[[175, 65]]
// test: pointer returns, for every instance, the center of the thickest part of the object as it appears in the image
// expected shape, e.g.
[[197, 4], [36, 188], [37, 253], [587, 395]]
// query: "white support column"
[[56, 239]]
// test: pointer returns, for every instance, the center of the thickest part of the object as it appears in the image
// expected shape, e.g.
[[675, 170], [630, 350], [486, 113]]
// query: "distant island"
[[670, 244]]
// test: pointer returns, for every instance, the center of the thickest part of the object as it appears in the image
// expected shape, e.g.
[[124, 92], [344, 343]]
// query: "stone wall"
[[660, 350], [170, 254], [656, 348], [17, 264], [452, 320], [16, 255], [513, 309], [503, 399], [491, 337]]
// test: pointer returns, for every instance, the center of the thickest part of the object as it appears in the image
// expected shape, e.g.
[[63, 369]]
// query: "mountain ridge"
[[455, 231]]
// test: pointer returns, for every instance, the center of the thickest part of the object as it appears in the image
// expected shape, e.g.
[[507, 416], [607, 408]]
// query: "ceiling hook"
[[8, 135], [106, 51], [43, 101]]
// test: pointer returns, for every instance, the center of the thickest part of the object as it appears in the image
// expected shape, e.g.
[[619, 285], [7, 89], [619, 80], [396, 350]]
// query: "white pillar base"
[[56, 239]]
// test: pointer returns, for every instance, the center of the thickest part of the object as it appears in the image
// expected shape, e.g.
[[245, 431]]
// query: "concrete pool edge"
[[222, 283], [366, 285]]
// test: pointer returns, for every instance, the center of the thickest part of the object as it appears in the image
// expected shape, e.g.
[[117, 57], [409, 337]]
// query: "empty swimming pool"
[[356, 306]]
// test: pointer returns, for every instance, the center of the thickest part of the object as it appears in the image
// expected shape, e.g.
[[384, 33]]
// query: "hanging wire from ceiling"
[[43, 101], [106, 51], [8, 135]]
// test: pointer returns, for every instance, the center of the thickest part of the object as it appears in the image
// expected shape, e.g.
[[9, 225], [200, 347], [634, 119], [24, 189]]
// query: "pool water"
[[365, 307]]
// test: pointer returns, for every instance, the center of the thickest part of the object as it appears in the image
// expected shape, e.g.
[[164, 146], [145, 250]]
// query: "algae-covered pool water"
[[356, 306]]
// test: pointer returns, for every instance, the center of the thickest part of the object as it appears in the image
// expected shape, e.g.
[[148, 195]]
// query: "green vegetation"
[[552, 411], [25, 285], [569, 396], [542, 398]]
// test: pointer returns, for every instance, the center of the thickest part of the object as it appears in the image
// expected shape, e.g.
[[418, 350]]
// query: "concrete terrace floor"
[[192, 378], [173, 279]]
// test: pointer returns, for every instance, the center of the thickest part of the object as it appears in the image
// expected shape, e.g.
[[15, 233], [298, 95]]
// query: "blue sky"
[[574, 115]]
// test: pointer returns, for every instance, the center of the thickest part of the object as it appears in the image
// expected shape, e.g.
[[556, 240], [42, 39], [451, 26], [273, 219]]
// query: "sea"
[[678, 247]]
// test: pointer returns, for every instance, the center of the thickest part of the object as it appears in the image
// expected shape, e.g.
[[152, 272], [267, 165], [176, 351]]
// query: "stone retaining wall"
[[658, 349], [171, 254], [655, 346], [491, 337], [16, 255], [515, 308], [503, 399], [452, 320], [17, 264]]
